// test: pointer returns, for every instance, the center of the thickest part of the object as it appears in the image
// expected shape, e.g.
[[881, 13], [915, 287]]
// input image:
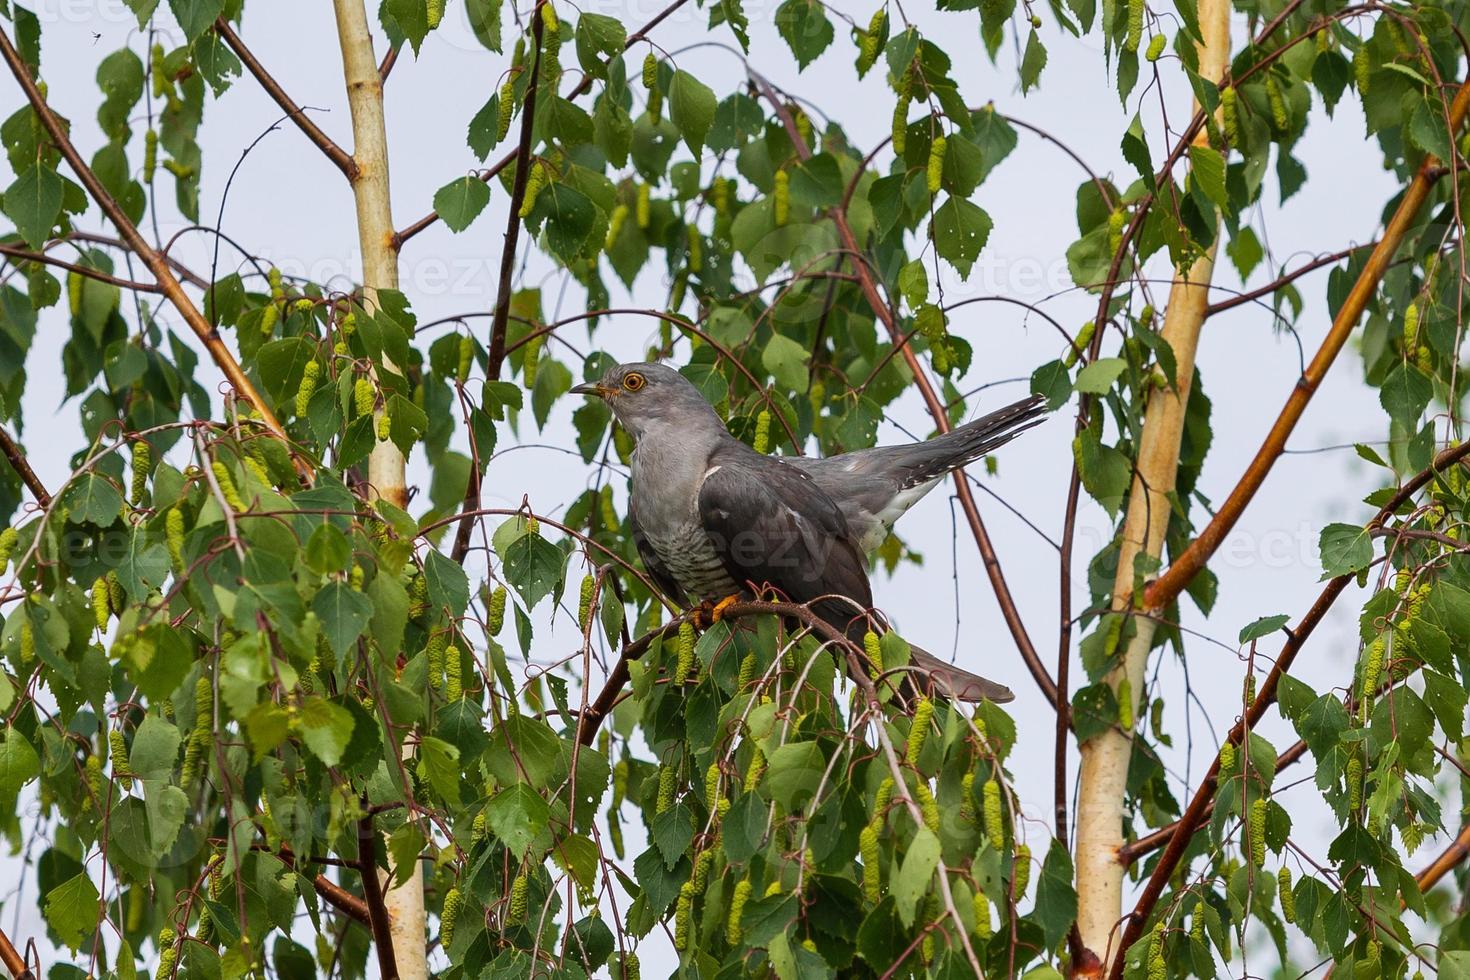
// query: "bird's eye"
[[633, 381]]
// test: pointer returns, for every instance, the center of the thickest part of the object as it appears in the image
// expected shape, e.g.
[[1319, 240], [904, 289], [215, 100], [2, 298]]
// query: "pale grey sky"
[[291, 206]]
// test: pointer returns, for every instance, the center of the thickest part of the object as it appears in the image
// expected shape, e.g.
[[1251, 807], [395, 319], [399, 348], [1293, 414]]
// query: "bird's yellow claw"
[[718, 612]]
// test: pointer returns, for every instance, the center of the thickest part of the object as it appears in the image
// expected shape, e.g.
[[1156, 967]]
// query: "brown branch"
[[334, 894], [27, 255], [156, 264], [1285, 278], [17, 457], [1168, 585], [935, 405], [1446, 862], [12, 959], [372, 890], [184, 273], [579, 89], [389, 60], [1194, 812], [340, 158]]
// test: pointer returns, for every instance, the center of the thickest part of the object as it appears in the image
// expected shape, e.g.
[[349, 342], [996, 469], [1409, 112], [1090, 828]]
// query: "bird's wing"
[[773, 525], [652, 563], [874, 487]]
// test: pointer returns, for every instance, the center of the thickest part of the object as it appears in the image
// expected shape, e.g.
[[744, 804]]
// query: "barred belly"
[[694, 564]]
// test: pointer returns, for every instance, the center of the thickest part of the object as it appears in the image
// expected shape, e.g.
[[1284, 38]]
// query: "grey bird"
[[714, 519]]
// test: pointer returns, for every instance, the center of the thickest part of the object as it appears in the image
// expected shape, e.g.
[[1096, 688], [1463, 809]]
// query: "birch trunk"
[[405, 904], [1105, 758]]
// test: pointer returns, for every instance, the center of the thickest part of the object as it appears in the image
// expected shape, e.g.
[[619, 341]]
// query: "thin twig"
[[12, 452]]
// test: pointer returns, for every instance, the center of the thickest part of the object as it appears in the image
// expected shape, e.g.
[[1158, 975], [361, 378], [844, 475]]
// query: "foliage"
[[218, 647]]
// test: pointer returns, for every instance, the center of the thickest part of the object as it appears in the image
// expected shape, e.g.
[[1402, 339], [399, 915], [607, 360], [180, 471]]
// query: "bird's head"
[[645, 395]]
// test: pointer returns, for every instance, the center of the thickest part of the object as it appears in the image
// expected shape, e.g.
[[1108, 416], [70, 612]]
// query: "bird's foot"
[[717, 612]]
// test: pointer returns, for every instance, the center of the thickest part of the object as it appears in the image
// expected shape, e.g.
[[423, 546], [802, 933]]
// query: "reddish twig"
[[17, 458], [340, 158], [26, 255]]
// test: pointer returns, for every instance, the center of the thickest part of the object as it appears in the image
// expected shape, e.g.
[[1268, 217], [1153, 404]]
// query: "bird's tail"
[[958, 447], [952, 682]]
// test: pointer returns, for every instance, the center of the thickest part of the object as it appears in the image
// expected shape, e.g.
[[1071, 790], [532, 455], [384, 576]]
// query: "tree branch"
[[1271, 287], [156, 264], [340, 158], [12, 959], [935, 405], [1167, 586], [17, 458], [377, 911], [579, 89], [1446, 862], [26, 255], [1184, 828]]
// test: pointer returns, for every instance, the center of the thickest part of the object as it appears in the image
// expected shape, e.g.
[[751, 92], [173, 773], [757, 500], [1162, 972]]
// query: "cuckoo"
[[714, 520]]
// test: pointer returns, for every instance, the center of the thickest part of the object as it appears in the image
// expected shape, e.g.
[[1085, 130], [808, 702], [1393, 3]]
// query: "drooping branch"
[[162, 272], [17, 459], [581, 88], [1266, 696], [935, 405], [340, 158], [1103, 777], [1178, 576]]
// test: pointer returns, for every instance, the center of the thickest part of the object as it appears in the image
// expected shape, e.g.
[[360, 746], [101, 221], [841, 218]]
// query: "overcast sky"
[[290, 205]]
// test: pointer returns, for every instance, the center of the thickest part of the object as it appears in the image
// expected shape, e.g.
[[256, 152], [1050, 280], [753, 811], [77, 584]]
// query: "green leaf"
[[1098, 377], [92, 499], [916, 874], [804, 25], [19, 763], [1052, 381], [196, 16], [155, 748], [449, 587], [518, 816], [1056, 899], [786, 360], [440, 761], [1346, 550], [1405, 394], [533, 567], [692, 108], [598, 34], [344, 613], [960, 231], [1032, 62], [460, 202], [1207, 171], [326, 728], [71, 909], [1264, 626]]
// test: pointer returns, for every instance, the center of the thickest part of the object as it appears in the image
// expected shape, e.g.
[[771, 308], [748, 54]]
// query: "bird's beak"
[[590, 388]]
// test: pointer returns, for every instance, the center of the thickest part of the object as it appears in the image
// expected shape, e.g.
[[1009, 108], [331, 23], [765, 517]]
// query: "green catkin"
[[466, 359], [9, 538], [1021, 877], [1288, 900], [27, 643], [270, 315], [1125, 704], [873, 647], [1362, 68], [983, 929], [762, 441], [452, 902], [650, 70], [363, 396], [990, 809], [654, 105], [1227, 758], [609, 511], [453, 679], [533, 526], [310, 375], [934, 173], [356, 578], [870, 41], [549, 20], [479, 828], [747, 671], [1258, 831], [667, 778], [1355, 782], [384, 425], [505, 110], [1197, 924], [631, 968], [1155, 47], [418, 596], [168, 955], [643, 206], [733, 932], [967, 798], [712, 784], [142, 465], [900, 125], [1411, 327], [95, 783], [531, 361], [682, 910], [1372, 670], [1135, 25], [535, 181], [868, 846], [881, 798], [304, 305], [684, 664], [756, 770], [117, 597], [434, 657], [781, 199], [615, 223], [803, 125], [495, 616], [1277, 102], [227, 485], [101, 603], [518, 889], [1084, 337], [696, 249], [719, 194], [919, 732], [928, 806], [584, 601], [1229, 113], [150, 155], [1117, 220]]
